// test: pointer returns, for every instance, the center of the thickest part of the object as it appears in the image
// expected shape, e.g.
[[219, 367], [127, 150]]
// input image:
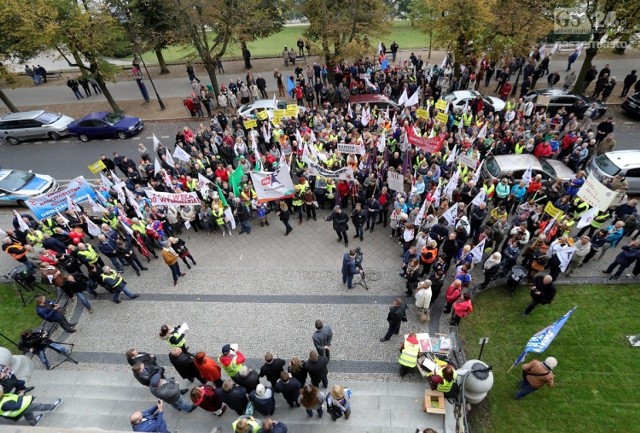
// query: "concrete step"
[[103, 401]]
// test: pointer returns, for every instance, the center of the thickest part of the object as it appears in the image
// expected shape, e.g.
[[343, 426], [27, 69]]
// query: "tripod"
[[363, 279], [27, 291], [66, 356]]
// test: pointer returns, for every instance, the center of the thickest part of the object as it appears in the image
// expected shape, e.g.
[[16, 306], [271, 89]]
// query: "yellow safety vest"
[[409, 355], [112, 221], [510, 105], [232, 369], [466, 119], [139, 227], [519, 148], [489, 191], [581, 207], [255, 427], [113, 274], [218, 215], [330, 190], [176, 335], [599, 219], [35, 238], [89, 255], [446, 385], [47, 225], [15, 414], [192, 185]]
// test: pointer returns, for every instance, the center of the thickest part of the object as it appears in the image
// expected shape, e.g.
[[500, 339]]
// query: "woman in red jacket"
[[452, 295], [205, 397], [208, 369], [461, 308]]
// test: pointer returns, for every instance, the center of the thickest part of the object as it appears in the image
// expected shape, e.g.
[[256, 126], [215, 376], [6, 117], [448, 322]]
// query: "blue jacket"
[[152, 421], [278, 427], [348, 265], [614, 236], [628, 255], [46, 312]]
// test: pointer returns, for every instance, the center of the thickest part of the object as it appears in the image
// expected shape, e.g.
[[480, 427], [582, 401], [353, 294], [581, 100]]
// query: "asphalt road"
[[68, 158]]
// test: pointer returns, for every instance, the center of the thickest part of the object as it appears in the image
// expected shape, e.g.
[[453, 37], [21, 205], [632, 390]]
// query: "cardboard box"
[[434, 402]]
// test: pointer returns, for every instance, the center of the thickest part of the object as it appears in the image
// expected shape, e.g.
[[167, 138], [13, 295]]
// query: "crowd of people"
[[441, 213]]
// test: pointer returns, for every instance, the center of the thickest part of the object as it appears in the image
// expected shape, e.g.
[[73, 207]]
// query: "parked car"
[[632, 105], [30, 125], [559, 98], [251, 109], [381, 102], [620, 162], [103, 124], [16, 186], [461, 97], [496, 167]]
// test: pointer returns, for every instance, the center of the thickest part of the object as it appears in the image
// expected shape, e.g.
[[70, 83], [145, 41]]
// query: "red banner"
[[429, 145]]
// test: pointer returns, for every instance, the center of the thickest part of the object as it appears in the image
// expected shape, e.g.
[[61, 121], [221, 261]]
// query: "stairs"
[[103, 401]]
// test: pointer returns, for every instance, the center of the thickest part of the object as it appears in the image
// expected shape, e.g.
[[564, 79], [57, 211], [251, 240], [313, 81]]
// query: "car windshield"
[[16, 180], [46, 118], [606, 165], [548, 168], [493, 167], [113, 118]]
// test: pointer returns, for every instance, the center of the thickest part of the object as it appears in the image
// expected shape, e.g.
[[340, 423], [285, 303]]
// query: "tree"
[[610, 21], [84, 34], [342, 28], [262, 19], [24, 32], [155, 22], [422, 13], [399, 9]]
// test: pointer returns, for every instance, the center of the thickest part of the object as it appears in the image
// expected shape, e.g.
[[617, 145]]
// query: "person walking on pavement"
[[340, 220], [349, 268], [542, 292], [284, 215], [535, 375], [168, 390], [180, 247], [15, 406], [74, 86], [114, 282], [322, 338], [191, 73], [170, 257], [629, 254], [175, 337], [397, 314], [628, 82]]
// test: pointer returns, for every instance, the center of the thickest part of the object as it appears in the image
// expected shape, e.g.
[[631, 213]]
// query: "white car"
[[251, 109], [461, 97], [17, 186]]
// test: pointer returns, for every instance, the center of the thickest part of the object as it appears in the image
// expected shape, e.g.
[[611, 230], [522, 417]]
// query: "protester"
[[535, 375]]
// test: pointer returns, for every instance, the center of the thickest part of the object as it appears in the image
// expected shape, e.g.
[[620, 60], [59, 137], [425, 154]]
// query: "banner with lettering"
[[77, 191], [169, 199]]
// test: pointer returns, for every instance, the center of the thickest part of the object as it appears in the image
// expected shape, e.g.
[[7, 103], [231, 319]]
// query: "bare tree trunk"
[[591, 53], [210, 67], [7, 102], [161, 62]]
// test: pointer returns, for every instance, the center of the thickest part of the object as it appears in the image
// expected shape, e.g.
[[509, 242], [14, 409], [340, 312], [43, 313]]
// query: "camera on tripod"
[[21, 274], [359, 257]]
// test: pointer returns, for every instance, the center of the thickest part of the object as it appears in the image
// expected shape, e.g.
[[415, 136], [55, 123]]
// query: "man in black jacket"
[[144, 372], [397, 315], [289, 387], [628, 82], [234, 396], [340, 220], [184, 364], [272, 368], [316, 366], [542, 292]]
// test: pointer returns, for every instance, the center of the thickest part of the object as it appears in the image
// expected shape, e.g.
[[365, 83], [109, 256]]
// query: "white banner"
[[272, 186], [179, 199], [587, 217], [468, 161], [596, 194], [228, 216], [565, 255], [344, 173], [350, 148], [481, 197], [395, 181], [450, 215], [180, 154]]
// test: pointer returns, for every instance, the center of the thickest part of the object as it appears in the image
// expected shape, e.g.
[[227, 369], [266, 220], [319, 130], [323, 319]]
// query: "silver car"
[[496, 167], [31, 125], [17, 186]]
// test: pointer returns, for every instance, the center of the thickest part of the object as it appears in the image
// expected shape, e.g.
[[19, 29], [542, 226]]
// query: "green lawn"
[[401, 31], [598, 371], [14, 317]]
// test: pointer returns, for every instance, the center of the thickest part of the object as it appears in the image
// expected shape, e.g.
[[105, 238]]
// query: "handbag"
[[424, 316], [249, 409]]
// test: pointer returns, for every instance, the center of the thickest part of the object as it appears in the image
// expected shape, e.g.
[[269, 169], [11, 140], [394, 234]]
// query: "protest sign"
[[177, 199], [272, 186], [395, 181], [422, 113], [596, 194], [78, 190], [252, 123], [97, 167], [470, 162]]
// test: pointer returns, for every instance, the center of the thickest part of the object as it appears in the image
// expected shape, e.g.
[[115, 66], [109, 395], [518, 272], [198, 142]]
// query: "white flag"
[[312, 137], [420, 216], [170, 160], [483, 132], [564, 255], [202, 179], [65, 221], [478, 251], [579, 48], [526, 176], [180, 154], [453, 155], [370, 84], [71, 205], [587, 217], [394, 123], [450, 215], [349, 112], [476, 175], [548, 226], [444, 61], [93, 229], [438, 194], [386, 113], [120, 187], [157, 168], [127, 229], [403, 98], [156, 142], [96, 207], [228, 216], [382, 142], [366, 117], [275, 101], [115, 178], [481, 197], [555, 48], [21, 224], [452, 185], [541, 51], [413, 100], [105, 180], [265, 135]]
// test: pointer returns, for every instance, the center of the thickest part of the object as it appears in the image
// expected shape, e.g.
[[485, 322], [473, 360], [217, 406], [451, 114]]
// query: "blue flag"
[[542, 339], [290, 86], [384, 64]]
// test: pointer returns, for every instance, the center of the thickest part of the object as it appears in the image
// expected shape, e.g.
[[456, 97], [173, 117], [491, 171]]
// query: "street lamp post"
[[144, 65]]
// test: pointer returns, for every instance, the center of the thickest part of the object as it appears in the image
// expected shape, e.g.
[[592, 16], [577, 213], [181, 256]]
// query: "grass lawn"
[[401, 31], [14, 317], [598, 371]]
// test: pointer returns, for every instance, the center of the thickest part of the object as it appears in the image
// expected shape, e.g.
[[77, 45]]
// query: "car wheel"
[[122, 135], [54, 136], [83, 137], [21, 203], [12, 140]]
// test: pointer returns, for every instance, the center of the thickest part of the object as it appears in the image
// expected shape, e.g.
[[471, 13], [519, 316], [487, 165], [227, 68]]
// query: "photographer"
[[349, 268], [51, 312], [36, 342]]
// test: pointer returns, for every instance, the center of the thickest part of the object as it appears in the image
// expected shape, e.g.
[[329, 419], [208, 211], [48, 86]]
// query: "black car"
[[632, 105], [559, 98]]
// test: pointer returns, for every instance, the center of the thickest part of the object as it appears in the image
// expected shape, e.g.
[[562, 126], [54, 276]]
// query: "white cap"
[[551, 362]]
